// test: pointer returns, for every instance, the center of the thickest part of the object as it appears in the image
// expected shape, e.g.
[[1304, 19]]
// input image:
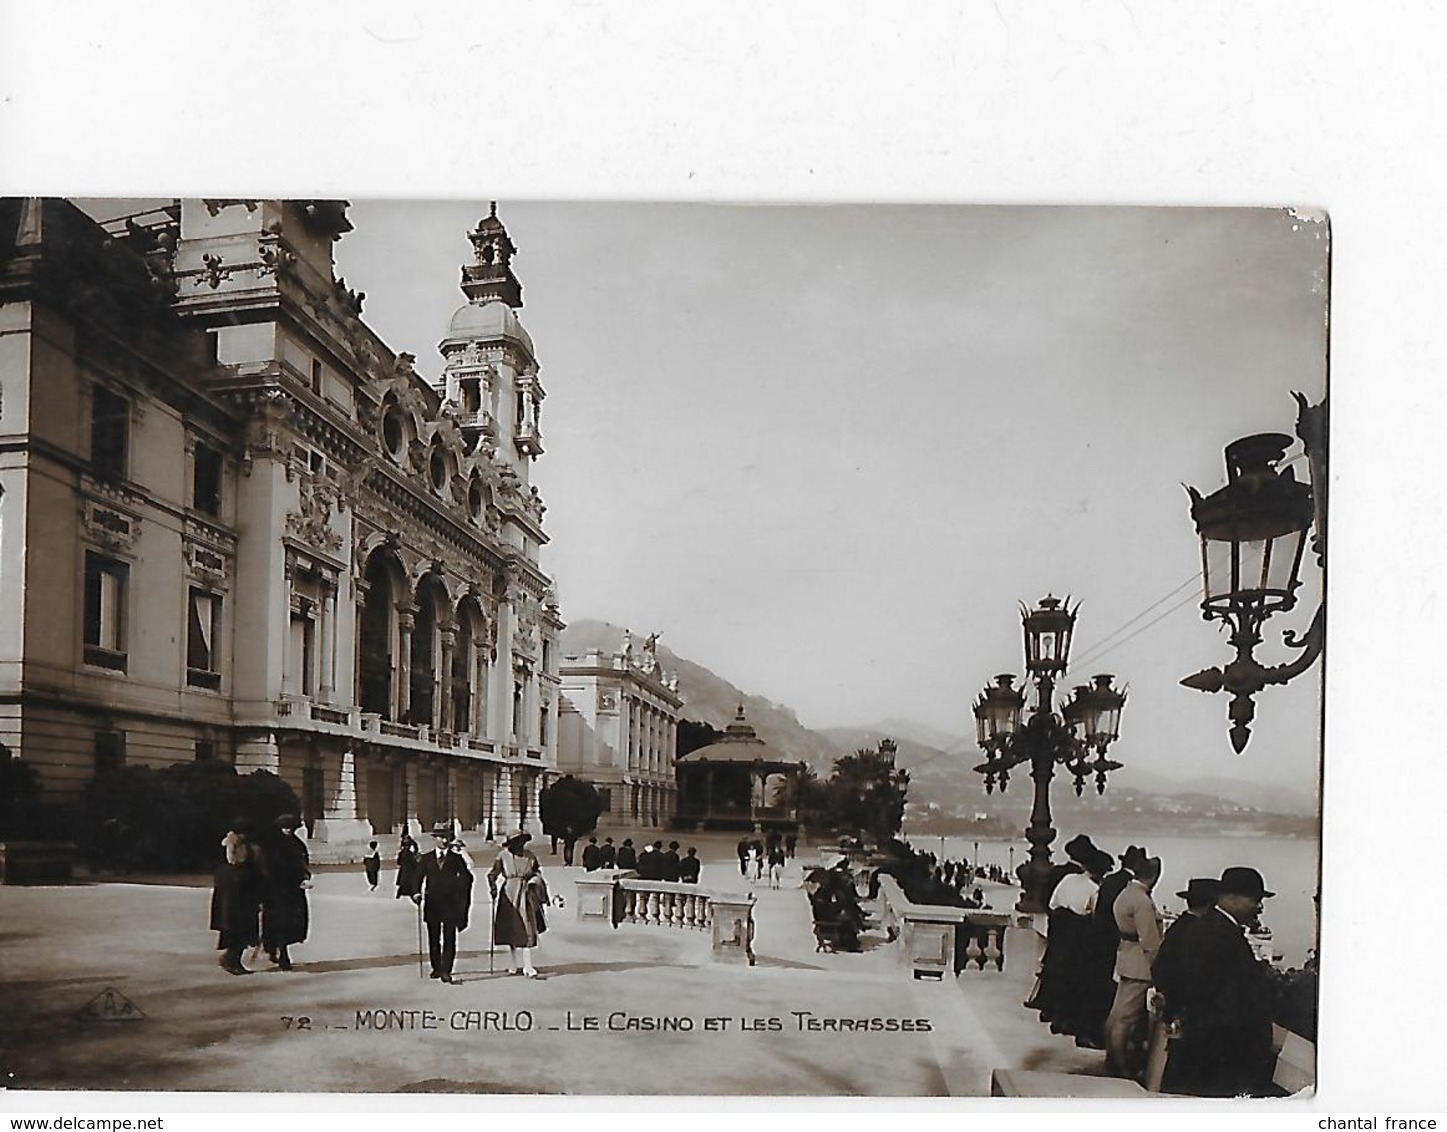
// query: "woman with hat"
[[236, 896], [517, 884], [286, 873]]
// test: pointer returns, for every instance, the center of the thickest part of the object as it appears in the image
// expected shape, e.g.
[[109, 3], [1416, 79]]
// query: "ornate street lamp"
[[1253, 535], [1076, 737]]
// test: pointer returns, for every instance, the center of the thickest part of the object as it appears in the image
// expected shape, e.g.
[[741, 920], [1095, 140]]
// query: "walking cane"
[[491, 925], [420, 975]]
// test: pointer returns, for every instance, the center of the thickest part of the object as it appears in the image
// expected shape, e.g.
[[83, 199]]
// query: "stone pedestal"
[[733, 930], [595, 898]]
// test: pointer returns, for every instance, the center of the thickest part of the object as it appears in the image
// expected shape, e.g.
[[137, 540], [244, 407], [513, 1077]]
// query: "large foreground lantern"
[[1076, 737], [1253, 535]]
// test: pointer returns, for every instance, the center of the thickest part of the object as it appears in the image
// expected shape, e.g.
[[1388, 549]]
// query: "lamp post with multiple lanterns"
[[1075, 737], [1260, 519]]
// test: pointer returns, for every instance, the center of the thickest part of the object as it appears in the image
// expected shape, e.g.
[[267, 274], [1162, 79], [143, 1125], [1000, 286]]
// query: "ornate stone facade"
[[289, 548], [619, 730]]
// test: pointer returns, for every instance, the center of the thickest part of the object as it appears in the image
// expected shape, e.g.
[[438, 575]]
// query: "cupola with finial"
[[490, 277]]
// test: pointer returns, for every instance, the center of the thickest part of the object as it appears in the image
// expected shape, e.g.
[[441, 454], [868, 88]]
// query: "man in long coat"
[[1225, 1047], [446, 899], [1200, 898], [286, 871]]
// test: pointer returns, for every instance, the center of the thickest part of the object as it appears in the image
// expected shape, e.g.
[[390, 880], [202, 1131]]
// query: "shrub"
[[173, 819], [23, 815]]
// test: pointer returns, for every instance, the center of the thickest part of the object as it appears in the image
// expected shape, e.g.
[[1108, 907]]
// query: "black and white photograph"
[[598, 562], [661, 649]]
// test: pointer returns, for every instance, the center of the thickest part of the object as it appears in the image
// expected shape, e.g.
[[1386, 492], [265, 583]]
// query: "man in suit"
[[668, 862], [627, 855], [607, 854], [1224, 999], [1139, 925], [592, 856], [446, 898], [650, 862], [689, 867], [1200, 898]]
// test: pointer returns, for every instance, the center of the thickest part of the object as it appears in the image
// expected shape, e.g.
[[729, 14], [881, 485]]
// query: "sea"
[[1289, 864]]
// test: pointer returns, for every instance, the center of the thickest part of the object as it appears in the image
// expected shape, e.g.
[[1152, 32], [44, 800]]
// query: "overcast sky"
[[825, 451]]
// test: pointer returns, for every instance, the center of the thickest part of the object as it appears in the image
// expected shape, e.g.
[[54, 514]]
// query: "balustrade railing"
[[663, 903], [936, 939], [616, 898]]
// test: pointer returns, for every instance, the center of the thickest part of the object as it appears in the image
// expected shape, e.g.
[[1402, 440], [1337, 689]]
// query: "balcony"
[[300, 713]]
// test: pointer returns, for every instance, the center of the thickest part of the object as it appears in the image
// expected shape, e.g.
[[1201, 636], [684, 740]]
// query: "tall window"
[[110, 751], [203, 619], [300, 674], [105, 602], [110, 423], [206, 480], [206, 751]]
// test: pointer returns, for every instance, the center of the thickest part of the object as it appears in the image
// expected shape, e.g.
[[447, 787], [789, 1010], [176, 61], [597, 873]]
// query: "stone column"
[[409, 801], [405, 623], [477, 675], [359, 603], [443, 715], [339, 834], [452, 792], [328, 645], [506, 809]]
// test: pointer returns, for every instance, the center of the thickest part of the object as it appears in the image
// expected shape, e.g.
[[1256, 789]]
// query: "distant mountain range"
[[940, 765], [709, 698]]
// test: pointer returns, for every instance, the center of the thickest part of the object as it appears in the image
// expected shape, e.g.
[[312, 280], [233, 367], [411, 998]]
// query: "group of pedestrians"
[[755, 856], [1105, 951], [259, 898], [259, 894]]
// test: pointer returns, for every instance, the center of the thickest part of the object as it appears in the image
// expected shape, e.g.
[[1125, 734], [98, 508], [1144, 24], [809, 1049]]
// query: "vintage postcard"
[[661, 649]]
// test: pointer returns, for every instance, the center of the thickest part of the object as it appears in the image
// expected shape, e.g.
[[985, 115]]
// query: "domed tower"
[[490, 378]]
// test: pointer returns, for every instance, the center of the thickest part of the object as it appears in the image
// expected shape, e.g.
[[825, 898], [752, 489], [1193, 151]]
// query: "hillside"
[[709, 698]]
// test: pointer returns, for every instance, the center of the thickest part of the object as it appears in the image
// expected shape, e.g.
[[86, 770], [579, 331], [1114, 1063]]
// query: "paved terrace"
[[204, 1030]]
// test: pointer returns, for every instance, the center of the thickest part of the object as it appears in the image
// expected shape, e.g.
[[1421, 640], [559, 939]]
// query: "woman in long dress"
[[517, 885]]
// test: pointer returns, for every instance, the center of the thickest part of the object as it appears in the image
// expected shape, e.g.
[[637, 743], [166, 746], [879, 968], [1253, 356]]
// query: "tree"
[[569, 808], [866, 793]]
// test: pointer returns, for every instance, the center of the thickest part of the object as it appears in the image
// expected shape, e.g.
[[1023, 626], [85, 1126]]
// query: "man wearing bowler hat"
[[446, 898], [1223, 998], [1200, 898]]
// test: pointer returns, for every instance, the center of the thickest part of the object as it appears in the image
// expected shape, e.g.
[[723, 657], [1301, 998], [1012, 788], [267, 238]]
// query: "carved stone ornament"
[[607, 701], [265, 431], [311, 522], [206, 566], [109, 528]]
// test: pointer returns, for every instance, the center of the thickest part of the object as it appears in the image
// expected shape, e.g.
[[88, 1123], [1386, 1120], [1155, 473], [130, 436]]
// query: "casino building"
[[235, 525]]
